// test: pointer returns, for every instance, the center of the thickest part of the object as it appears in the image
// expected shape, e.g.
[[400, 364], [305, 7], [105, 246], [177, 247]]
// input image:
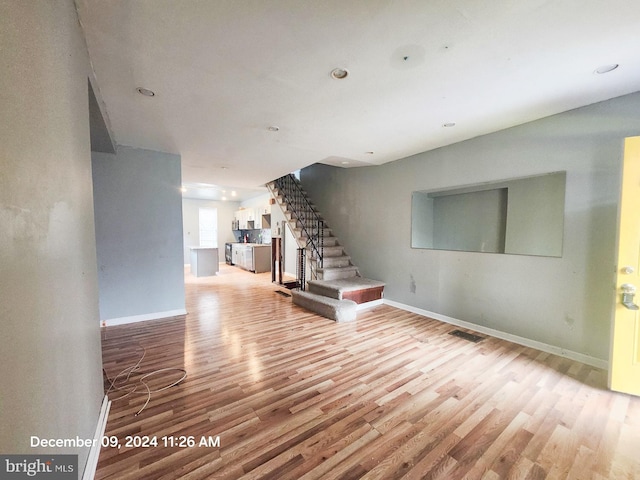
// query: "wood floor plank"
[[291, 395], [337, 455], [506, 462]]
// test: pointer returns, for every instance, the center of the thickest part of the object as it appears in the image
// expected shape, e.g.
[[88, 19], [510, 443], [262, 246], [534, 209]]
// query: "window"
[[208, 227]]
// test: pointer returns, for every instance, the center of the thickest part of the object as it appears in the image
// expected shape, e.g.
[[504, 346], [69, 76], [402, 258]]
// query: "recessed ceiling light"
[[273, 128], [449, 124], [233, 193], [146, 92], [606, 68], [339, 73], [224, 199], [183, 189]]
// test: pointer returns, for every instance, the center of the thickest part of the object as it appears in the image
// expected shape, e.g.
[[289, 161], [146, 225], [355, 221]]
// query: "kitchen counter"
[[255, 257]]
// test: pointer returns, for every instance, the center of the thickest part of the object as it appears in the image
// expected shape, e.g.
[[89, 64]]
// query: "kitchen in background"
[[251, 227], [246, 223]]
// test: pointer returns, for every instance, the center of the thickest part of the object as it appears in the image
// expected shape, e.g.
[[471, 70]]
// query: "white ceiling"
[[224, 71]]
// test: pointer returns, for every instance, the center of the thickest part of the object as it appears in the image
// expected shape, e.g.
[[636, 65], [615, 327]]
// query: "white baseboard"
[[371, 304], [92, 461], [142, 318], [562, 352]]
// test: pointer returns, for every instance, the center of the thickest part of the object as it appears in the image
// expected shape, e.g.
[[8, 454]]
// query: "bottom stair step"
[[358, 289], [338, 310]]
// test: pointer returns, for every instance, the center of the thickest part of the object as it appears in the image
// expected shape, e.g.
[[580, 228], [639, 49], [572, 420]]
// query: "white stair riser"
[[330, 241], [310, 222], [336, 251], [327, 250], [301, 233], [335, 274], [343, 261]]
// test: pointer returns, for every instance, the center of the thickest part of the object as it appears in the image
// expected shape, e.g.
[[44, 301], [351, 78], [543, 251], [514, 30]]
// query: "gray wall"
[[480, 229], [50, 374], [138, 212], [535, 218], [565, 302], [191, 227]]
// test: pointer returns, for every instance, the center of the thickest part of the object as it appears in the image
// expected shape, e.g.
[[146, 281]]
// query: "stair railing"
[[312, 226], [301, 268]]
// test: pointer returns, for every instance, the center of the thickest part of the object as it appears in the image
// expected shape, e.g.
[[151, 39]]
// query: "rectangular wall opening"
[[523, 216], [474, 221]]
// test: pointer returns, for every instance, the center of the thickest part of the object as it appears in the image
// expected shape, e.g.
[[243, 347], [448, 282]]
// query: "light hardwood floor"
[[291, 395]]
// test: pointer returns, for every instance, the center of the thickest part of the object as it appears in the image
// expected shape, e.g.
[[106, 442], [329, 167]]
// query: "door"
[[624, 363]]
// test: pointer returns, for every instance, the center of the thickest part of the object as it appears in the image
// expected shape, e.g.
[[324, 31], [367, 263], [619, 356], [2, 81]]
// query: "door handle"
[[628, 292]]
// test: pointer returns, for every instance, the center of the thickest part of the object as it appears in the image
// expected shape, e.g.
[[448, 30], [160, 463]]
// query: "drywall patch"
[[60, 221], [569, 322], [412, 284], [46, 231], [20, 225]]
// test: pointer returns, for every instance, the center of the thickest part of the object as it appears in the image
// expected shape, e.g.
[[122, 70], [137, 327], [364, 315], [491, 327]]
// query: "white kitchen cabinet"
[[253, 257], [259, 216], [252, 218], [237, 254], [241, 216], [246, 219]]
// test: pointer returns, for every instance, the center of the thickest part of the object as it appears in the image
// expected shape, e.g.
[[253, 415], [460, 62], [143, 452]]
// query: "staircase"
[[327, 280]]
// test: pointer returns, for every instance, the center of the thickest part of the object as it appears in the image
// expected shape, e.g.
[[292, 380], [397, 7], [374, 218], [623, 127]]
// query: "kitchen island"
[[204, 261]]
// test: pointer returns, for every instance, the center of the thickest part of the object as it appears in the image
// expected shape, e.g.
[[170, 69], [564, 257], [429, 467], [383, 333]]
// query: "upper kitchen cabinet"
[[245, 219], [253, 218], [263, 217]]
